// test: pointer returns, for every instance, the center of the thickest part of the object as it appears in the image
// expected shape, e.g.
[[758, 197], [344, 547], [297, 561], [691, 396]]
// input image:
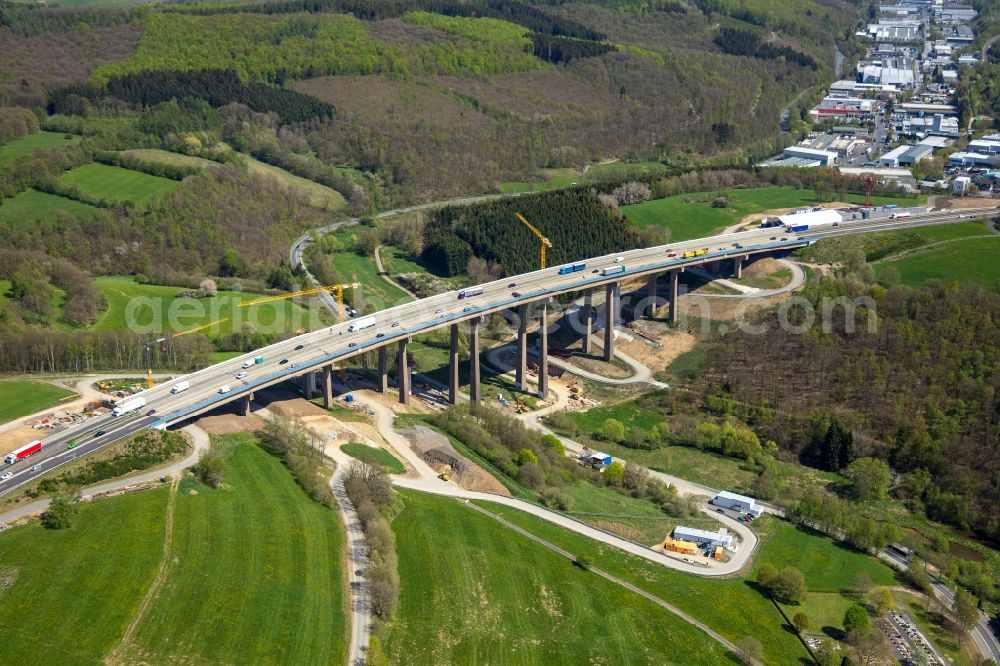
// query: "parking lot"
[[907, 640]]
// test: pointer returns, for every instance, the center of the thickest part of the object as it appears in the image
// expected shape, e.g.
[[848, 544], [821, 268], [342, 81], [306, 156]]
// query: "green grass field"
[[732, 606], [33, 205], [158, 156], [113, 183], [158, 309], [967, 260], [74, 591], [21, 397], [692, 215], [26, 145], [255, 576], [395, 261], [374, 456], [320, 196], [473, 592], [352, 267]]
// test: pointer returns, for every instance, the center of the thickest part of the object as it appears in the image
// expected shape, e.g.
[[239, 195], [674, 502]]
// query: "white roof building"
[[721, 538], [824, 157], [986, 146], [825, 216], [891, 158]]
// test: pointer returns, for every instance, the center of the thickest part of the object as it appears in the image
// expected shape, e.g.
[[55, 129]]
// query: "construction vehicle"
[[545, 242]]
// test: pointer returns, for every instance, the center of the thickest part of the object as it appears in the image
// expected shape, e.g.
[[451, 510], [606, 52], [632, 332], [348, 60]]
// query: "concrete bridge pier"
[[473, 360], [402, 366], [738, 267], [328, 386], [672, 313], [453, 367], [611, 314], [382, 383], [243, 404], [543, 349], [309, 384], [587, 316], [521, 368]]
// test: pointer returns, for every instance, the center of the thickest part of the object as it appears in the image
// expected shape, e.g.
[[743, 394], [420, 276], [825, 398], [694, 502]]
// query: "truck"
[[790, 228], [257, 360], [613, 270], [360, 324], [130, 405], [470, 292], [180, 387], [572, 268], [895, 216], [694, 253], [23, 452]]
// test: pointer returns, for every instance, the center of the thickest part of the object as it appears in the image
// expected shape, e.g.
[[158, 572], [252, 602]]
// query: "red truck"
[[23, 452]]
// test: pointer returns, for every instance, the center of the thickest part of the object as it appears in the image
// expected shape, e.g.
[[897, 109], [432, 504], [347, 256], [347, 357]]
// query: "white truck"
[[180, 387], [130, 405], [364, 322]]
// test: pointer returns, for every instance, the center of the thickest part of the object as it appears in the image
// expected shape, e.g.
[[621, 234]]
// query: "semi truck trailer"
[[130, 405], [23, 452]]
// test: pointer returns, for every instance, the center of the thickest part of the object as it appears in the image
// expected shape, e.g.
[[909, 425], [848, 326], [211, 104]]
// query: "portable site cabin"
[[678, 546]]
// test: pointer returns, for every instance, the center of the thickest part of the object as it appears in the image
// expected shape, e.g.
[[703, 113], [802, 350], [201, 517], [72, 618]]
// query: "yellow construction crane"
[[545, 242]]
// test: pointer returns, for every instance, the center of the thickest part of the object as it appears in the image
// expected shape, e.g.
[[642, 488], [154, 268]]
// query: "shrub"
[[62, 512]]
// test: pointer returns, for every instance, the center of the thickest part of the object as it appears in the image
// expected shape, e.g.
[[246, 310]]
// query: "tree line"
[[575, 221], [748, 43], [563, 49]]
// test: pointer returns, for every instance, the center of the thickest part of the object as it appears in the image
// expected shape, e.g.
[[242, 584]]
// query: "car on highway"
[[380, 335], [225, 388], [35, 468], [515, 294], [619, 260], [773, 238], [150, 412], [100, 433], [467, 308], [71, 444], [242, 374], [671, 253], [395, 324], [283, 361], [512, 285], [784, 238], [353, 344], [6, 475], [439, 311]]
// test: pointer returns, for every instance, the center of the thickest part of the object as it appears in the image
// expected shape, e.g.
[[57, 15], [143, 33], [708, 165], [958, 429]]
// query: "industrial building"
[[824, 157], [972, 160], [905, 156], [848, 107], [740, 503], [721, 538], [985, 146], [961, 185], [826, 216], [595, 459]]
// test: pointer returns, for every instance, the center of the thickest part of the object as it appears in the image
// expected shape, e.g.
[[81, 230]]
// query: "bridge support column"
[[243, 404], [328, 386], [403, 367], [738, 268], [382, 384], [611, 311], [587, 315], [543, 349], [453, 367], [651, 293], [309, 384], [474, 360], [521, 370], [672, 314]]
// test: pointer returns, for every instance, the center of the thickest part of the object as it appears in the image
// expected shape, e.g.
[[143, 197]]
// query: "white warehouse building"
[[740, 503], [823, 217], [721, 538], [824, 157]]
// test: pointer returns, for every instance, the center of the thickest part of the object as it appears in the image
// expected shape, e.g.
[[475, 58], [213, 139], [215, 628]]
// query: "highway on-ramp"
[[312, 351]]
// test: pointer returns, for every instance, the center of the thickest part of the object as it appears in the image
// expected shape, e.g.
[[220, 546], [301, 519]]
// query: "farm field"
[[22, 397], [158, 309], [554, 179], [98, 587], [26, 145], [113, 183], [242, 555], [546, 609], [320, 196], [733, 607], [966, 259], [693, 216], [374, 456], [32, 205], [158, 156]]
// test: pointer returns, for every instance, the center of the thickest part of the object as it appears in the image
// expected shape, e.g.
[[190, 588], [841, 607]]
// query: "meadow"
[[32, 205], [967, 260], [473, 592], [732, 606], [158, 309], [22, 397], [693, 215], [112, 183], [26, 145], [244, 556], [374, 456]]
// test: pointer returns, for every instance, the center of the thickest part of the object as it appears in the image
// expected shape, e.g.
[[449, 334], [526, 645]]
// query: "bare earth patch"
[[672, 345], [226, 424], [12, 439]]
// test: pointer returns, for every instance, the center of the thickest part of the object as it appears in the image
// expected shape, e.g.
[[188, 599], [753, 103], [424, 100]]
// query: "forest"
[[577, 223], [918, 390]]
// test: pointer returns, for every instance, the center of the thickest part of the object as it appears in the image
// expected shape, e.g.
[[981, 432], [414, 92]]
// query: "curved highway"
[[312, 351]]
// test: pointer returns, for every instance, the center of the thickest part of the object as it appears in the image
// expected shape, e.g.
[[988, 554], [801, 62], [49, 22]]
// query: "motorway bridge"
[[312, 355]]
